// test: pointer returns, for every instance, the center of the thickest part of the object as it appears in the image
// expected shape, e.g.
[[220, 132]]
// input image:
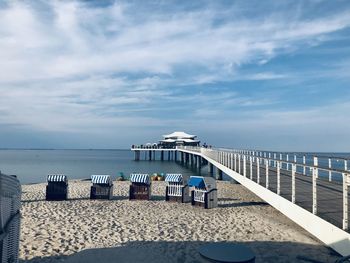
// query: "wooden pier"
[[317, 203]]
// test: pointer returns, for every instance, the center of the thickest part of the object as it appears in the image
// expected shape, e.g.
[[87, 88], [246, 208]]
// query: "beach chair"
[[57, 187], [140, 188], [102, 187], [177, 189], [10, 202], [203, 191]]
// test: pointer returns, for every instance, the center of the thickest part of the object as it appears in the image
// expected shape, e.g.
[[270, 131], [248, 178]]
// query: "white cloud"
[[69, 66]]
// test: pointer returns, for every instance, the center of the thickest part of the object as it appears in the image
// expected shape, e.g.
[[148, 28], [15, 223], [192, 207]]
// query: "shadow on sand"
[[178, 252]]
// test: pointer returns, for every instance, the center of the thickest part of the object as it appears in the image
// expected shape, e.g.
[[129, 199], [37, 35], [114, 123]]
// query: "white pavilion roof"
[[179, 135], [168, 140]]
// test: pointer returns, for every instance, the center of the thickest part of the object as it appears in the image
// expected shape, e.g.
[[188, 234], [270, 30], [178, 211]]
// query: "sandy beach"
[[83, 230]]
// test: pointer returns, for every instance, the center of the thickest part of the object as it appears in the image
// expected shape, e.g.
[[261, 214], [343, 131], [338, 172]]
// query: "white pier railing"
[[255, 169]]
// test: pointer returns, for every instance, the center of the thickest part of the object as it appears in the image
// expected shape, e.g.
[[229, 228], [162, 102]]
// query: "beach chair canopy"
[[177, 178], [57, 178], [207, 183], [101, 179], [196, 181], [140, 178], [174, 178]]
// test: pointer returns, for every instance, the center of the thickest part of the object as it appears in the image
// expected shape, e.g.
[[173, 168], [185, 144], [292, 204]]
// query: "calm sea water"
[[32, 166]]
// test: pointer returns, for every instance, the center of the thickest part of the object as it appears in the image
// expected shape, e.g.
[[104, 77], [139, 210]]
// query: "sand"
[[83, 230]]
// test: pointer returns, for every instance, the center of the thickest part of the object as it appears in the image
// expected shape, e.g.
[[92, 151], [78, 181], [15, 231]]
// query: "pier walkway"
[[298, 189]]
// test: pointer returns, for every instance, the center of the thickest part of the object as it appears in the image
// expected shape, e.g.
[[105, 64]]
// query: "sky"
[[270, 75]]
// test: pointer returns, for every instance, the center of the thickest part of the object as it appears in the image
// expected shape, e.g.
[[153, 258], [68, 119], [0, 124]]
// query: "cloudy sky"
[[250, 74]]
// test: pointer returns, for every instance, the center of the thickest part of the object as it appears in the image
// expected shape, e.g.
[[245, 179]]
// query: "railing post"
[[345, 165], [316, 164], [345, 201], [330, 167], [235, 162], [293, 182], [239, 163], [267, 172], [314, 191], [269, 158], [287, 159], [244, 166], [274, 159], [258, 170], [278, 178], [251, 167], [304, 163]]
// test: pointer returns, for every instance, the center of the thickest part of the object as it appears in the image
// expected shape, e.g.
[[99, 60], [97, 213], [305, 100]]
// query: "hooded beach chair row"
[[10, 203], [200, 191]]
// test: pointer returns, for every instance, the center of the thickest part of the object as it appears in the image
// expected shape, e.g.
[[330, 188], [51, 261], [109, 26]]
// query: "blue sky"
[[270, 75]]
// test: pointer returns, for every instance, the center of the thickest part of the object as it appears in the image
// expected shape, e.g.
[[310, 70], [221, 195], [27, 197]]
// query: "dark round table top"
[[227, 252]]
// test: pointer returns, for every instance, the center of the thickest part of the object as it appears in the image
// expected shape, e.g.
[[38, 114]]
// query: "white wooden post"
[[316, 164], [278, 178], [314, 191], [330, 167], [294, 167], [287, 161], [239, 163], [345, 201], [244, 166], [295, 158], [235, 165], [251, 167], [258, 170], [345, 165], [269, 158], [274, 157], [304, 163], [267, 173]]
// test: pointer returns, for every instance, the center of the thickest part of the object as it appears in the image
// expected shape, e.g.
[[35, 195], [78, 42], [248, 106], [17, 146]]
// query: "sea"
[[33, 166]]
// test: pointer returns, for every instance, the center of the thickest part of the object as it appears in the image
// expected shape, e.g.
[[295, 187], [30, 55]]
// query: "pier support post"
[[293, 182], [149, 155], [175, 156], [162, 155], [199, 162], [267, 173], [168, 155], [258, 170], [210, 169], [137, 155], [345, 201], [278, 164], [218, 174]]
